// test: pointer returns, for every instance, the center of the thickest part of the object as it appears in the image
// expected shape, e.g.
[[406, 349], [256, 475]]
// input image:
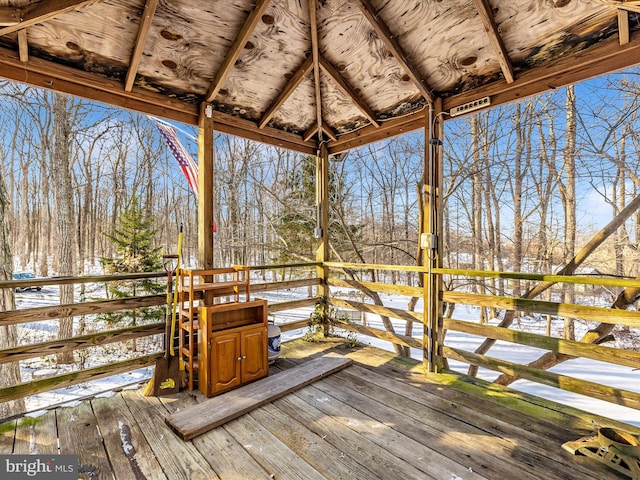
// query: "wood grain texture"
[[180, 460], [79, 435], [38, 436], [124, 441], [350, 44], [91, 38], [278, 45], [382, 418], [188, 41], [223, 408]]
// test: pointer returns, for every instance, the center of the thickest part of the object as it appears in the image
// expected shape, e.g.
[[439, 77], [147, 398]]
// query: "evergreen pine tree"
[[135, 253]]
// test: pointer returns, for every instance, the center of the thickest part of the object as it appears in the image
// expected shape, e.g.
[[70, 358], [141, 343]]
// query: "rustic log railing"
[[341, 279], [28, 351]]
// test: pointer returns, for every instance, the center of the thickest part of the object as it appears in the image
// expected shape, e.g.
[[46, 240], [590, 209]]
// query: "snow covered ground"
[[603, 373]]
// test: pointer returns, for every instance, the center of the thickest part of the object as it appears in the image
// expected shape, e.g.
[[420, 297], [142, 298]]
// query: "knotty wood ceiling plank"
[[43, 11], [143, 33], [245, 32], [490, 26], [607, 57], [340, 81], [394, 47], [302, 71], [45, 74]]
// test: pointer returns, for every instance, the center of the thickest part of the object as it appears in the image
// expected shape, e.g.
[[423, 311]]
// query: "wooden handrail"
[[51, 347]]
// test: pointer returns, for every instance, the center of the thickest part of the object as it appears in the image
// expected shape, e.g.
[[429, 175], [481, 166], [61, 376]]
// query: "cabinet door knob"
[[244, 356], [239, 358]]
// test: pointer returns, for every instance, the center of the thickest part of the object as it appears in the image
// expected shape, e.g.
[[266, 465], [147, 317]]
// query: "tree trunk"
[[63, 193], [568, 269], [9, 372]]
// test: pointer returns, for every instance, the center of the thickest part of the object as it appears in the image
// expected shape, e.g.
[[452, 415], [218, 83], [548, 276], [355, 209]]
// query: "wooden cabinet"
[[232, 347]]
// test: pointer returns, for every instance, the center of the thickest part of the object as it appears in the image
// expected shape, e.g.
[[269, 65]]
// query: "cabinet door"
[[254, 354], [225, 362]]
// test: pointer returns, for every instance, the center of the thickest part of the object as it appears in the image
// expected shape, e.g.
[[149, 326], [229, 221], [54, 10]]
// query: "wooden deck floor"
[[380, 418]]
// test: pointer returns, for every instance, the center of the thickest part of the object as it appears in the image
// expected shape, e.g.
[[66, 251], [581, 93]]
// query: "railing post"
[[431, 239], [205, 187], [322, 228]]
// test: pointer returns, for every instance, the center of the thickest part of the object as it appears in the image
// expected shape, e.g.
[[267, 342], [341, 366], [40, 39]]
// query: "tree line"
[[520, 181]]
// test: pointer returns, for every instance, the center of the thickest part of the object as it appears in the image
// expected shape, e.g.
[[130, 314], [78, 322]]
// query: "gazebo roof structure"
[[296, 73]]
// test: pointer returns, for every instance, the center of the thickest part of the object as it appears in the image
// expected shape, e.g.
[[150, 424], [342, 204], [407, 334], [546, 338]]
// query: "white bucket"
[[273, 344]]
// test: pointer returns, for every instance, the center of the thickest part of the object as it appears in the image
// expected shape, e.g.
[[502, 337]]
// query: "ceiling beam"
[[315, 55], [51, 76], [23, 46], [391, 42], [43, 11], [236, 49], [490, 26], [141, 39], [606, 57], [342, 83], [302, 71], [9, 16], [311, 131]]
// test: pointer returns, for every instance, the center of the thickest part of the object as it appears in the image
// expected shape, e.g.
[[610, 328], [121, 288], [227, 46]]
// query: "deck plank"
[[324, 457], [381, 418], [380, 461], [269, 452], [429, 461], [78, 434], [227, 457], [491, 456], [39, 436], [498, 424], [180, 460], [120, 429], [227, 406], [7, 437]]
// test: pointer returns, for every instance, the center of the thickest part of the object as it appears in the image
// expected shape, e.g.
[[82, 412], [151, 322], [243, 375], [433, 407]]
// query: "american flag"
[[187, 165]]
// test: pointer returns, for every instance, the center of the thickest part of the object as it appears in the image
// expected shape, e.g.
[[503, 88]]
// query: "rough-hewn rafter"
[[245, 32], [484, 9], [394, 47], [311, 131], [43, 11], [23, 46], [607, 57], [45, 74], [143, 32], [340, 81], [302, 71], [623, 27], [9, 16], [315, 55]]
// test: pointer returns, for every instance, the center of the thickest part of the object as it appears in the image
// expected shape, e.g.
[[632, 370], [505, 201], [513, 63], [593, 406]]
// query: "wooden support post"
[[322, 226], [205, 187], [431, 238]]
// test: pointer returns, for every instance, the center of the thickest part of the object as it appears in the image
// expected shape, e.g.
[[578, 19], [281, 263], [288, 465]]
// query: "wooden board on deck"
[[216, 411]]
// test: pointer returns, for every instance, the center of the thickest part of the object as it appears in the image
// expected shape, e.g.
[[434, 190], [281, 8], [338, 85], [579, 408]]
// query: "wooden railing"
[[342, 280], [27, 351]]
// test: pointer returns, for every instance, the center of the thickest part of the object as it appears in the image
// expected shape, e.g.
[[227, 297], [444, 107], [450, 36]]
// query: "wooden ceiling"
[[294, 73]]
